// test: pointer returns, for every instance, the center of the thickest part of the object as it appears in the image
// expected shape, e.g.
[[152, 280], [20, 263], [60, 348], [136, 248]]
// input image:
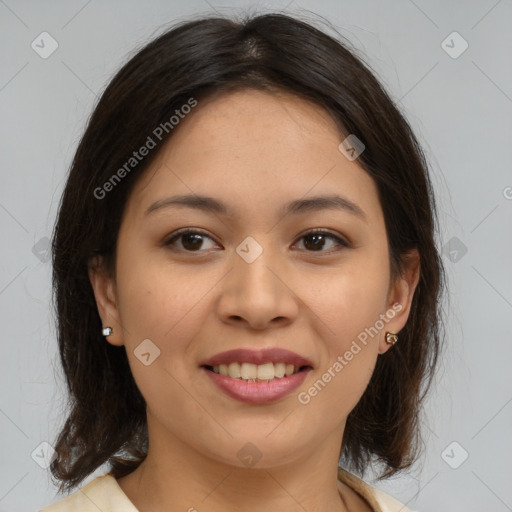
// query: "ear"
[[401, 293], [104, 288]]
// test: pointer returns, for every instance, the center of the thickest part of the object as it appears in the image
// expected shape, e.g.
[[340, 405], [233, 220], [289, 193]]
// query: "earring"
[[391, 338], [107, 331]]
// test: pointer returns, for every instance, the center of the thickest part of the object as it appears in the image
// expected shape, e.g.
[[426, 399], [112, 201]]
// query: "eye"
[[315, 240], [192, 240]]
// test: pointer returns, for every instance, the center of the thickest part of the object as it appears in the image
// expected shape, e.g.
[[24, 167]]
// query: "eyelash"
[[188, 231]]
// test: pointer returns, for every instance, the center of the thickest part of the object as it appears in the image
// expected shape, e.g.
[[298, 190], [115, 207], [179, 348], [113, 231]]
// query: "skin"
[[255, 151]]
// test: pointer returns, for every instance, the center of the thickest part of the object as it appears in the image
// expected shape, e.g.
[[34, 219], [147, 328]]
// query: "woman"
[[246, 279]]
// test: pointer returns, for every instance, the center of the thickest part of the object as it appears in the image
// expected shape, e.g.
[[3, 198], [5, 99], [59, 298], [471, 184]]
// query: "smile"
[[250, 372], [257, 376], [257, 392]]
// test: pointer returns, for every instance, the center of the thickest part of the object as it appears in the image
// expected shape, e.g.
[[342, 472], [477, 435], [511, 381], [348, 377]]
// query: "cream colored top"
[[104, 493]]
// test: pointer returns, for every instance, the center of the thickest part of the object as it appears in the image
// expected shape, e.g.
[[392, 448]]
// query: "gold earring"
[[391, 338]]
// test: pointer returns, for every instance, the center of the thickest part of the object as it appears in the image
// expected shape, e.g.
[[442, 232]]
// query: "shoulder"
[[378, 500], [103, 493]]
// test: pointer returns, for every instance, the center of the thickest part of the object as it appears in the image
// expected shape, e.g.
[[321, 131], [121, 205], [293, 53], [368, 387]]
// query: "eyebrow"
[[299, 206]]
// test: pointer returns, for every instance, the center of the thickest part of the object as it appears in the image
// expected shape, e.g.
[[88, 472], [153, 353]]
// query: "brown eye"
[[315, 241], [192, 240]]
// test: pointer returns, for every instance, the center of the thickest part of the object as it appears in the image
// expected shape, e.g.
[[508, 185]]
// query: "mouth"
[[249, 372], [257, 365], [257, 377]]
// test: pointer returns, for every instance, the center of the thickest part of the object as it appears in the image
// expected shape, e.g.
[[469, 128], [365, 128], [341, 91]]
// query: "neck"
[[174, 477]]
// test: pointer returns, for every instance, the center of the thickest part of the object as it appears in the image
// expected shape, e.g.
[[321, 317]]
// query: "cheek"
[[166, 305], [153, 298], [352, 297], [351, 311]]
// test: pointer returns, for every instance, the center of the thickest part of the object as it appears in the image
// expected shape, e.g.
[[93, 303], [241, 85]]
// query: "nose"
[[259, 294]]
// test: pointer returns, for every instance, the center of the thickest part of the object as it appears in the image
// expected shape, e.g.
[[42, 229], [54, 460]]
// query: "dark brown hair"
[[195, 59]]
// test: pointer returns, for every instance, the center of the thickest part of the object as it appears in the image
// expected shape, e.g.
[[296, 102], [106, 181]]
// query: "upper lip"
[[268, 355]]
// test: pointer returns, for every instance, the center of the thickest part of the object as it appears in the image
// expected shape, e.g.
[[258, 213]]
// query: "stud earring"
[[391, 338], [107, 331]]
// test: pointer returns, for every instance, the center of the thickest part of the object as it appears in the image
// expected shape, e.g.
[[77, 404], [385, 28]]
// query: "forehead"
[[252, 149]]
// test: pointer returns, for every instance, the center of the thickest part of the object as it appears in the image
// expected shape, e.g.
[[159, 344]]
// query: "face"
[[253, 277]]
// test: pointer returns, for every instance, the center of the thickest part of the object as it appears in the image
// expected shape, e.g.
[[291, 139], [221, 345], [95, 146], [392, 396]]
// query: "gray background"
[[460, 108]]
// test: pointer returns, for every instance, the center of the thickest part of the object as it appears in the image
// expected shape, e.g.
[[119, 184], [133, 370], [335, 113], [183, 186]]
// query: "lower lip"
[[257, 392]]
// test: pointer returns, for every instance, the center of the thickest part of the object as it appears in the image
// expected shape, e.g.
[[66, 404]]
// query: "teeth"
[[234, 370], [265, 371], [252, 372], [248, 371], [279, 370]]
